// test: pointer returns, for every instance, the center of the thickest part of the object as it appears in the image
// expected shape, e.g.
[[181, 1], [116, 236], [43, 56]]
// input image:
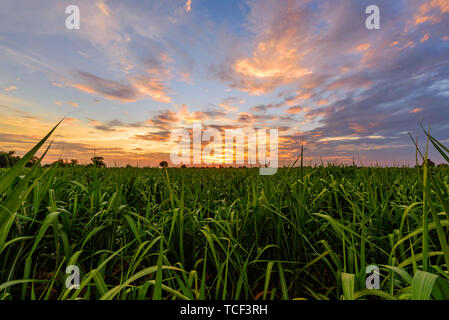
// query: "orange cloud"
[[228, 108], [152, 87], [363, 47], [10, 88], [410, 44], [323, 102], [188, 5], [343, 70], [185, 77], [104, 9], [190, 117], [70, 103], [362, 129], [432, 11], [276, 60], [295, 110], [349, 138], [299, 96], [70, 121], [94, 122], [139, 87], [425, 38], [84, 87]]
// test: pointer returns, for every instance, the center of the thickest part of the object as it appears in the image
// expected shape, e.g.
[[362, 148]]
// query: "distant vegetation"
[[9, 159], [163, 164]]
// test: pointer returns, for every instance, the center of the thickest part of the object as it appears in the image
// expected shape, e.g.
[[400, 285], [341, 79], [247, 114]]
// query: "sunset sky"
[[138, 69]]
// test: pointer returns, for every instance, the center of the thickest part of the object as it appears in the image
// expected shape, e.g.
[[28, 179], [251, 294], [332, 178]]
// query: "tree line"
[[9, 159]]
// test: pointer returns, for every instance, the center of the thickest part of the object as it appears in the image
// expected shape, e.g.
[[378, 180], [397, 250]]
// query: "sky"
[[138, 69]]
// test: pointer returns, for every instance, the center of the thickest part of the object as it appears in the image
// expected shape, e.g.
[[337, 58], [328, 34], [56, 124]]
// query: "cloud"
[[10, 88], [103, 7], [194, 116], [277, 54], [350, 138], [228, 108], [137, 88], [18, 112], [70, 121], [151, 86], [164, 120], [432, 11], [416, 110], [112, 125], [188, 5], [425, 38], [159, 136], [70, 103], [109, 89], [114, 36], [362, 85], [17, 138], [295, 110]]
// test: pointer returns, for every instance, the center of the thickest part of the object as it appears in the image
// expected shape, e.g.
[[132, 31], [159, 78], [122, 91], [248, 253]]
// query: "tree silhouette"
[[430, 163], [32, 162], [98, 162], [163, 164], [60, 163], [8, 159]]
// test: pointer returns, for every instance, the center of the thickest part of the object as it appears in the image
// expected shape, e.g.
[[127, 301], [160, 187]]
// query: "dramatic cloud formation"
[[360, 82]]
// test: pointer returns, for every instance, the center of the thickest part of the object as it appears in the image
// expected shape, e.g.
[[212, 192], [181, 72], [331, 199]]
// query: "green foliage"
[[9, 159], [305, 233]]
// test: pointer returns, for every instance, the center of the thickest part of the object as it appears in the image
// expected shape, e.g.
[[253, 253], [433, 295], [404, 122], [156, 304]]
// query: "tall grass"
[[304, 233]]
